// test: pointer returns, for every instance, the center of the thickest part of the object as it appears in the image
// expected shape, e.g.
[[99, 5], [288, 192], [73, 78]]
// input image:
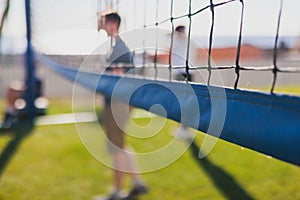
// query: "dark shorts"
[[115, 123]]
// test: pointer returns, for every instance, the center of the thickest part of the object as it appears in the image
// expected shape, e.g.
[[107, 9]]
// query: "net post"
[[29, 67]]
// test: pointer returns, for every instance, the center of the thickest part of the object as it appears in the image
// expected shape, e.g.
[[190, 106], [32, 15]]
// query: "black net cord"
[[275, 50], [192, 14], [212, 9], [172, 40], [156, 41], [238, 52], [187, 71]]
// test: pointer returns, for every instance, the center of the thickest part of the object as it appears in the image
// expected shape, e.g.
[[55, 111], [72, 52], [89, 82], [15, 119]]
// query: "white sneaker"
[[113, 196], [183, 133]]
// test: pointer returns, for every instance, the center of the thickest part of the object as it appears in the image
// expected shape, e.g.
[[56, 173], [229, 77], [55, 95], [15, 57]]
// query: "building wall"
[[12, 68]]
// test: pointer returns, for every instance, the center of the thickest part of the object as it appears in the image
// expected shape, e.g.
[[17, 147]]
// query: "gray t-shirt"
[[120, 53]]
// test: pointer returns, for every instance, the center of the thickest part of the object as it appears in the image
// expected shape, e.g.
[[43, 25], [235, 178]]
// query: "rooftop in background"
[[17, 45]]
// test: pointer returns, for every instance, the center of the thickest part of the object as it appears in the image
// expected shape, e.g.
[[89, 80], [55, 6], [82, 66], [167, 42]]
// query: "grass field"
[[52, 163]]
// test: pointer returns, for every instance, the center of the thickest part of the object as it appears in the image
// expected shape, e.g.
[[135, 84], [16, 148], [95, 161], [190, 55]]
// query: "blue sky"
[[70, 25]]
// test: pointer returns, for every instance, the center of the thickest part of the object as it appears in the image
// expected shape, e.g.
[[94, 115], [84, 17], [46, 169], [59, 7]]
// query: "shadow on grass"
[[221, 179], [18, 133]]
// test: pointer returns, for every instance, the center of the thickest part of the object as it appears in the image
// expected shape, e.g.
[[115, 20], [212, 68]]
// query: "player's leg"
[[115, 142]]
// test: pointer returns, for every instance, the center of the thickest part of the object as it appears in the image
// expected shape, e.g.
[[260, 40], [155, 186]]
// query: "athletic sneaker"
[[136, 191], [183, 133], [113, 196]]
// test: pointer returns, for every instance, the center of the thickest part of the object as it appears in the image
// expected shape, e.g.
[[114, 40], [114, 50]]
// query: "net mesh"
[[268, 69]]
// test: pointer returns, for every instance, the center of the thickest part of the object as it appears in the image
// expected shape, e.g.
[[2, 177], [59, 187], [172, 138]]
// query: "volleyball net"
[[216, 100]]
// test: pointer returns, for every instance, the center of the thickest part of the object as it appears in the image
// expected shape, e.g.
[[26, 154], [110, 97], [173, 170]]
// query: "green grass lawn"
[[52, 163]]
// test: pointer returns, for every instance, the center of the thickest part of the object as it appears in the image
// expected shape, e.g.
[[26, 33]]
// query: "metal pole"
[[29, 67]]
